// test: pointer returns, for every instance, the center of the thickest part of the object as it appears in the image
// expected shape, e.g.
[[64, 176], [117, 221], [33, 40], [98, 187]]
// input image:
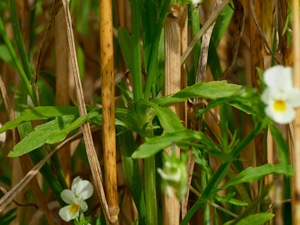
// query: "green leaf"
[[228, 198], [251, 174], [38, 137], [42, 112], [282, 146], [257, 219], [132, 173], [61, 135], [200, 160], [211, 90], [5, 56], [156, 144]]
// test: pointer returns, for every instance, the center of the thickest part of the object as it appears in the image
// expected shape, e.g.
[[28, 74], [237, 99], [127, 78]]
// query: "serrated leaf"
[[251, 174]]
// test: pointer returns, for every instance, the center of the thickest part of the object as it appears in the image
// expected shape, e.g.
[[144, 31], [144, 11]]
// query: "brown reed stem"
[[257, 60], [87, 136], [296, 74], [108, 107]]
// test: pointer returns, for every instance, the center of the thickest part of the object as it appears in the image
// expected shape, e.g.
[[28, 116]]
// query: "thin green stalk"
[[261, 181], [137, 88], [31, 35], [250, 208], [153, 61], [197, 48], [150, 191], [19, 40], [13, 54], [60, 171], [220, 174], [205, 207]]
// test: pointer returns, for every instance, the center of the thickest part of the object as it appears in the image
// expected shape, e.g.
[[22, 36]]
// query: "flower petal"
[[75, 183], [84, 189], [83, 205], [66, 215], [284, 117], [279, 77], [267, 96], [68, 196], [293, 97]]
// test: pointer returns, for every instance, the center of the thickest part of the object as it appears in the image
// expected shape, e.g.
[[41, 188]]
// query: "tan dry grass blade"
[[108, 108], [90, 148], [62, 73], [257, 60], [202, 64], [205, 27], [171, 208], [296, 73]]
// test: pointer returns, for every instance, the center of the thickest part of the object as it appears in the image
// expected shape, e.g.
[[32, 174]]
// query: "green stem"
[[220, 174], [136, 37], [195, 29], [19, 40], [250, 208], [205, 207], [153, 61], [13, 54], [150, 191]]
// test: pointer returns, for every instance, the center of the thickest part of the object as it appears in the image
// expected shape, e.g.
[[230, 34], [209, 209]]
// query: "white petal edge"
[[66, 214], [279, 77], [68, 196], [83, 205], [84, 189], [75, 183], [293, 97], [281, 117]]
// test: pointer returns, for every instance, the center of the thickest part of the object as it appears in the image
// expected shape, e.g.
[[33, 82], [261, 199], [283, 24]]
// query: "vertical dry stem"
[[108, 106], [257, 60], [87, 136], [296, 73], [172, 84], [63, 72]]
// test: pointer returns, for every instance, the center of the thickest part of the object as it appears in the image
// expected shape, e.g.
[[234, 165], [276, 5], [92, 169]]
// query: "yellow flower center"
[[279, 105], [74, 208]]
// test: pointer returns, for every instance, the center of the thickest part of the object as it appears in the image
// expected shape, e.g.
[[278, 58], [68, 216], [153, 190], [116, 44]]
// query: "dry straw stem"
[[201, 72], [296, 73], [108, 108], [9, 196], [26, 162], [63, 72], [257, 60], [171, 207], [90, 149], [184, 44], [205, 27]]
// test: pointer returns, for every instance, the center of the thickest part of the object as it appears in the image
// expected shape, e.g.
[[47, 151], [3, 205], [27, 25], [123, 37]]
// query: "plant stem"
[[150, 190]]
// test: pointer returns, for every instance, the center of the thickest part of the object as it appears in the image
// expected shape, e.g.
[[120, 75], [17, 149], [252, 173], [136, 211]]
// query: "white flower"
[[280, 96], [80, 190]]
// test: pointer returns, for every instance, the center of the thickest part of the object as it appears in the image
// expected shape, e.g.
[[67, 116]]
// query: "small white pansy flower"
[[280, 96], [80, 191]]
